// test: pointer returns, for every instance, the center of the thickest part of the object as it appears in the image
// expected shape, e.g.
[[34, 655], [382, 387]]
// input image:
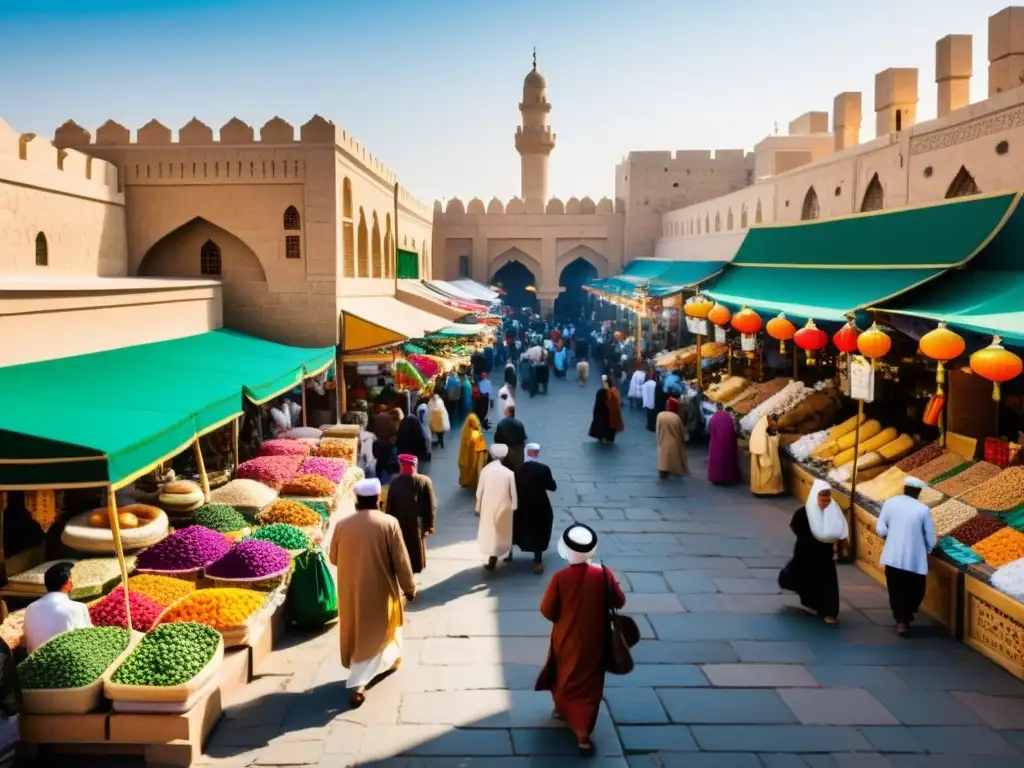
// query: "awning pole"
[[305, 420], [236, 426], [201, 465], [115, 529]]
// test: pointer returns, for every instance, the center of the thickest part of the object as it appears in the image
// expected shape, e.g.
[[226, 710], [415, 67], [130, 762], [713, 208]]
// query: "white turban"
[[533, 446], [368, 487], [912, 482], [578, 543], [499, 450]]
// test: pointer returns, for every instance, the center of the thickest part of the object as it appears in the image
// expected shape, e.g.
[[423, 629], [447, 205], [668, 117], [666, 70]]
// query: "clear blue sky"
[[431, 88]]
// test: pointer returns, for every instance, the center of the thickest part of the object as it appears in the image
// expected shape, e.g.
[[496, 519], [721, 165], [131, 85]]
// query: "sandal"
[[356, 700], [586, 748], [831, 621]]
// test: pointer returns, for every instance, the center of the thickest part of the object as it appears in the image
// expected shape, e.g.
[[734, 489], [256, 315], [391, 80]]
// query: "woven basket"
[[117, 692]]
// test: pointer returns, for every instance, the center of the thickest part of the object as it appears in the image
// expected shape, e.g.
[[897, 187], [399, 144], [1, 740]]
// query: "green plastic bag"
[[313, 595]]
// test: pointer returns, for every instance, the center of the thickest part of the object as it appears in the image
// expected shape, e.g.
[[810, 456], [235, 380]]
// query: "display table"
[[994, 625]]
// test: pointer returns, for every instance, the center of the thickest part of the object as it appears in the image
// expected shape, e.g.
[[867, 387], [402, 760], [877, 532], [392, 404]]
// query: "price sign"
[[862, 379]]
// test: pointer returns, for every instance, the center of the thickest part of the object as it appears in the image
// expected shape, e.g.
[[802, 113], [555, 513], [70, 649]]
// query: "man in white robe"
[[906, 525], [496, 502]]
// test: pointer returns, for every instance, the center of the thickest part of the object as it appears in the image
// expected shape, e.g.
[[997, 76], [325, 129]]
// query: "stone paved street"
[[729, 673]]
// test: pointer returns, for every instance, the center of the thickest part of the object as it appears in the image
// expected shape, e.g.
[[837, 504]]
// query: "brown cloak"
[[671, 444], [411, 503]]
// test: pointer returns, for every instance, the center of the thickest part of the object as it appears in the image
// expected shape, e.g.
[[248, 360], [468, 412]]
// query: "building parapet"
[[516, 206], [681, 159]]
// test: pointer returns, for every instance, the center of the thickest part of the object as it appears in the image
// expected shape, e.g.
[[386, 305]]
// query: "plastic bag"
[[314, 595]]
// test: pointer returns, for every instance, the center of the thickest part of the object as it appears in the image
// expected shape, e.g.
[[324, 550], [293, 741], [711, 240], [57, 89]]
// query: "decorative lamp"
[[845, 338], [719, 315], [699, 307], [781, 329], [996, 364], [941, 345], [811, 339], [748, 323], [874, 343]]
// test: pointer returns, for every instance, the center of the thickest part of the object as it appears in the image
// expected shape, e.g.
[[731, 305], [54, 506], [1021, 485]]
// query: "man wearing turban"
[[496, 502]]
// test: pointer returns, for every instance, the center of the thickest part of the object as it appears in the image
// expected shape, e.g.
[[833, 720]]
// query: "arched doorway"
[[573, 300], [519, 284]]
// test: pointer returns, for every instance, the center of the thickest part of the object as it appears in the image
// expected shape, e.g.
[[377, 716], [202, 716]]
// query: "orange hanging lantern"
[[719, 315], [781, 329], [748, 323], [699, 307], [996, 364], [874, 343], [811, 339], [941, 345], [845, 338]]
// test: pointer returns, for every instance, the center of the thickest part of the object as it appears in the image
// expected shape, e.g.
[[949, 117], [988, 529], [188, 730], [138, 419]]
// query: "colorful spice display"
[[244, 494], [284, 447], [251, 559], [337, 448], [291, 512], [185, 550], [171, 654], [109, 612], [322, 508], [958, 553], [220, 518], [938, 466], [73, 659], [977, 529], [951, 514], [273, 471], [1002, 547], [160, 589], [970, 478], [921, 457], [220, 608], [333, 469], [283, 535], [1002, 493], [315, 486]]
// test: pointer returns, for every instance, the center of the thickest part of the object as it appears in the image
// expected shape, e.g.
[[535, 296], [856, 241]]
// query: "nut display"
[[1002, 493], [220, 517], [970, 478], [949, 515], [221, 608], [291, 512], [314, 486], [338, 448], [73, 659], [940, 465], [921, 457], [283, 535], [244, 494], [976, 529], [251, 559], [171, 654], [1002, 547], [109, 611], [185, 550], [161, 589]]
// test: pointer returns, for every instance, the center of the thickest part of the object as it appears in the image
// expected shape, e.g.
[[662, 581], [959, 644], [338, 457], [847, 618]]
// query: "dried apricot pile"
[[220, 608]]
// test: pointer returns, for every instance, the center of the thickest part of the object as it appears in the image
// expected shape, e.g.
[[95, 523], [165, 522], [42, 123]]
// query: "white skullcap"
[[533, 446], [912, 482], [499, 450], [368, 487], [578, 543]]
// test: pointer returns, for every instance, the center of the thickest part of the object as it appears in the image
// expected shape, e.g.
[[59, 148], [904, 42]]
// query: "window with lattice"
[[292, 247], [874, 196], [810, 210], [362, 248], [292, 220], [42, 251], [348, 250], [209, 259]]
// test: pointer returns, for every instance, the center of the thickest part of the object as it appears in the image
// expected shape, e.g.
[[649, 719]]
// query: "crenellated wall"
[[61, 211]]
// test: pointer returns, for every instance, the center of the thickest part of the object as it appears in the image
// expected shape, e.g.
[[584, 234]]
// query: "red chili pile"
[[109, 612]]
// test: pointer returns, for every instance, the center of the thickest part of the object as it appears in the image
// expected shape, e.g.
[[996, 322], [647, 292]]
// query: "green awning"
[[662, 277], [460, 330], [645, 269], [108, 417], [827, 269]]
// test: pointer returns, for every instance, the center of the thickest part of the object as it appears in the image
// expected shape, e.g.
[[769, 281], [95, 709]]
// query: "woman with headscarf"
[[466, 403], [472, 452], [821, 532], [765, 467], [671, 445], [723, 460], [437, 418], [511, 379], [576, 603], [410, 440]]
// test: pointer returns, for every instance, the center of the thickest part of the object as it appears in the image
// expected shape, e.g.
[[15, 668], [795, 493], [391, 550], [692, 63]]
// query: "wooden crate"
[[993, 625], [940, 596]]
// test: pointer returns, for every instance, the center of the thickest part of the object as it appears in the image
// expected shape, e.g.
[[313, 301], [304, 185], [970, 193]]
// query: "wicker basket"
[[118, 692]]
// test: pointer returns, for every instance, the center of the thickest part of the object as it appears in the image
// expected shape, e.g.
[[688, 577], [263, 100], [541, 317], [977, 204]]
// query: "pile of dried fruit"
[[109, 612], [338, 448], [314, 486], [333, 469], [172, 654], [251, 559], [284, 447], [1003, 492], [1002, 547], [291, 512], [951, 514], [220, 518], [283, 535], [921, 457], [938, 466], [970, 478], [161, 589], [73, 659], [273, 471], [977, 529], [322, 508], [185, 550], [219, 608]]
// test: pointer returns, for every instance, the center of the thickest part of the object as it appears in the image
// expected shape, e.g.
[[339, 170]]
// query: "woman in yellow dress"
[[472, 452]]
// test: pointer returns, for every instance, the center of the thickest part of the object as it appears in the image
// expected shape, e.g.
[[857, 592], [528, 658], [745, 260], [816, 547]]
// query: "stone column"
[[953, 70], [1005, 50], [895, 100], [846, 120]]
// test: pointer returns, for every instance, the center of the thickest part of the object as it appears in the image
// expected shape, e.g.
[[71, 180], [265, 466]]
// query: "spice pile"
[[220, 518], [222, 608], [244, 494], [1002, 547], [185, 550], [338, 448], [291, 512], [109, 612], [284, 447], [73, 659], [951, 514], [172, 654], [801, 450], [273, 471], [977, 529], [332, 469], [314, 486], [940, 465], [921, 457], [160, 589], [283, 535], [970, 478], [251, 559], [1002, 493]]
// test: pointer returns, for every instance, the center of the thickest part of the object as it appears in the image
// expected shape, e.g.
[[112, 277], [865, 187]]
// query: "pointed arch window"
[[42, 251], [718, 222], [963, 185], [376, 261], [757, 213], [209, 259], [874, 196], [292, 220], [810, 211], [348, 235], [743, 216], [707, 224], [729, 220], [363, 247]]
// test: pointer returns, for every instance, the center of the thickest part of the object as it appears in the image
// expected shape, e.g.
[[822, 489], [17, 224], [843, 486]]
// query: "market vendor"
[[54, 613]]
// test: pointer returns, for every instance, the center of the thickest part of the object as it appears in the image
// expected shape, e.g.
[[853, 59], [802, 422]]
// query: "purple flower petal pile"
[[273, 471], [284, 447], [332, 469], [251, 559], [185, 550]]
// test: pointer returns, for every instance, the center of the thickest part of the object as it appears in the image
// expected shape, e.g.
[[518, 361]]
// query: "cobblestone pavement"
[[728, 673]]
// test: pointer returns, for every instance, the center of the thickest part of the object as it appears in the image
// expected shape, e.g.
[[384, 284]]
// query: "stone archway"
[[587, 253], [516, 274], [572, 301], [187, 251]]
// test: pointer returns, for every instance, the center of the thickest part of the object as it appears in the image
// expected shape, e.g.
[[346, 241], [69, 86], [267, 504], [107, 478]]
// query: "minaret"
[[534, 139]]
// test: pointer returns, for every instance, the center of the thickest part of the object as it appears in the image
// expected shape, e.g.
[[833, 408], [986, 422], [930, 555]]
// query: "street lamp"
[[641, 294]]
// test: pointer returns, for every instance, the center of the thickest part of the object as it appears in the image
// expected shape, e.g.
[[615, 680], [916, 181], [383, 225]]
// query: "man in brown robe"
[[411, 502], [373, 575]]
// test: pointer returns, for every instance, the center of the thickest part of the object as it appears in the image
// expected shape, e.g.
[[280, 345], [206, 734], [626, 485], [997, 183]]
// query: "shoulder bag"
[[621, 634]]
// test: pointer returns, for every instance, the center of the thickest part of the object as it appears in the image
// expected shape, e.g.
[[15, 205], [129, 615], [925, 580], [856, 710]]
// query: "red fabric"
[[575, 603], [672, 404]]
